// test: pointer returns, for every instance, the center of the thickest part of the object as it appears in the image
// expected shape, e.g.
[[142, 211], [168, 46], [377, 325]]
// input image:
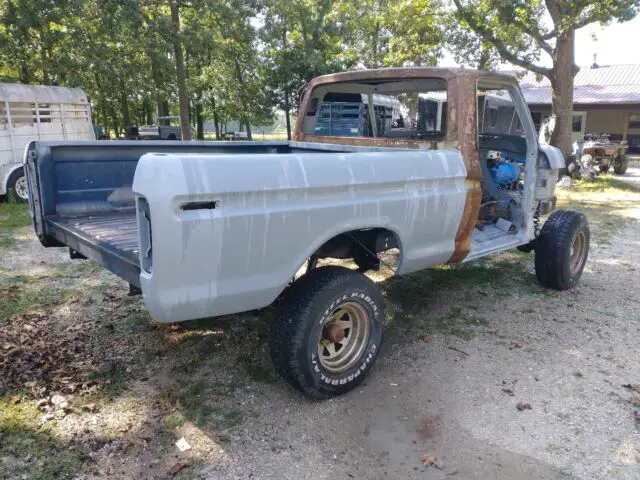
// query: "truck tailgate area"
[[110, 236]]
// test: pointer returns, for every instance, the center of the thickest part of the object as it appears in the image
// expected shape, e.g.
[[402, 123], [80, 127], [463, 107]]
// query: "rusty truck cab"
[[480, 114]]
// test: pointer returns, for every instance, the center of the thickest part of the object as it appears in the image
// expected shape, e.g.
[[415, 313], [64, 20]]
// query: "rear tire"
[[620, 165], [562, 249], [16, 188], [329, 331]]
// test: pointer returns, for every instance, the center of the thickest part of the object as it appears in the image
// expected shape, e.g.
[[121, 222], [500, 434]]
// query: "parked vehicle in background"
[[204, 229], [159, 131], [597, 154], [234, 136], [98, 130], [37, 112]]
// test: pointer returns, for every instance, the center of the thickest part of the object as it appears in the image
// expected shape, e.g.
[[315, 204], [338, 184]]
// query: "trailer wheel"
[[16, 187], [620, 165], [328, 332], [562, 249]]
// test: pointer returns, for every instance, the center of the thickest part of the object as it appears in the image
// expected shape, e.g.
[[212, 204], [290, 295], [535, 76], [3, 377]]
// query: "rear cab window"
[[414, 109]]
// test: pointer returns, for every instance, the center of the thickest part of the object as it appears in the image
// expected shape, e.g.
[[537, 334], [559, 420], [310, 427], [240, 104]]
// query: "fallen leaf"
[[635, 399], [48, 416], [431, 461], [15, 399], [176, 468], [514, 345], [58, 399], [425, 338], [523, 406], [90, 407]]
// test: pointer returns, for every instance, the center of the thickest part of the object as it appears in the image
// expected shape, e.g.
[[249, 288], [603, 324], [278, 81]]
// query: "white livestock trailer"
[[37, 112]]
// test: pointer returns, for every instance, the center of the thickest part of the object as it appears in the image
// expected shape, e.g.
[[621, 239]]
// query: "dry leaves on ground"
[[176, 468], [523, 406], [34, 356], [634, 399], [430, 460]]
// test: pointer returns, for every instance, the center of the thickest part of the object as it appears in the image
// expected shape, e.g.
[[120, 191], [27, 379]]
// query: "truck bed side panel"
[[228, 232]]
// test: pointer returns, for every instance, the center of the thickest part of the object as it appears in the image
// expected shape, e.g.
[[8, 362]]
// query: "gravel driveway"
[[567, 355]]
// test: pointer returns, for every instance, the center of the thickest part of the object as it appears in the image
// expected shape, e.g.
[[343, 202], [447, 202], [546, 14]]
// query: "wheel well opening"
[[364, 246]]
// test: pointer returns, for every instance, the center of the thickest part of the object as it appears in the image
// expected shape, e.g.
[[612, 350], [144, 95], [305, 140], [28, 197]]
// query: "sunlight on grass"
[[14, 215], [608, 203]]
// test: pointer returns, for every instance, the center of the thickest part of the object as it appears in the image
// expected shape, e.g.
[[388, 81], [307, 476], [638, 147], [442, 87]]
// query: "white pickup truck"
[[212, 228]]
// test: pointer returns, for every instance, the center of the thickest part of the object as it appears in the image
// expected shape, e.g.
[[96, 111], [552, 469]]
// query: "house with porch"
[[606, 99]]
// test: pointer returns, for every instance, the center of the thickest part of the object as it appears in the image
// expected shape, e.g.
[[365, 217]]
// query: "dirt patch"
[[465, 347]]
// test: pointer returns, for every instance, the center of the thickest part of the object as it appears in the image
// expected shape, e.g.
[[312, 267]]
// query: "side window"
[[576, 124], [537, 120], [497, 113], [493, 117]]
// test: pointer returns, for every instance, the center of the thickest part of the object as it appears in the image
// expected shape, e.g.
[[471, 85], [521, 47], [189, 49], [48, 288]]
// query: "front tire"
[[620, 165], [562, 249], [16, 187], [329, 331]]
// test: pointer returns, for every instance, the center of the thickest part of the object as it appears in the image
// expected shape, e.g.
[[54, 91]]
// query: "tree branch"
[[499, 44], [586, 21], [537, 36]]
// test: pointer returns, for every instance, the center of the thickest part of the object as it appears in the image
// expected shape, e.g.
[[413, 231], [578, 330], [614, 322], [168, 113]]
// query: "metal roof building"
[[606, 100], [619, 84]]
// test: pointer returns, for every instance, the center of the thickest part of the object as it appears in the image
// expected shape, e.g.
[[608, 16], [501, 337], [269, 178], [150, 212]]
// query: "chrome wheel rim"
[[21, 189], [577, 252], [344, 337]]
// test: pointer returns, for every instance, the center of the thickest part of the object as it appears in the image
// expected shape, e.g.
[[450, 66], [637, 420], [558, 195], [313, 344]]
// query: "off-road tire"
[[556, 266], [295, 334], [620, 165], [16, 187]]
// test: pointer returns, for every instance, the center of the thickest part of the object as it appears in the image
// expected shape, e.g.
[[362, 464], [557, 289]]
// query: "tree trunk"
[[240, 80], [181, 75], [484, 61], [287, 116], [124, 106], [216, 120], [46, 79], [564, 71], [199, 120], [25, 75]]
